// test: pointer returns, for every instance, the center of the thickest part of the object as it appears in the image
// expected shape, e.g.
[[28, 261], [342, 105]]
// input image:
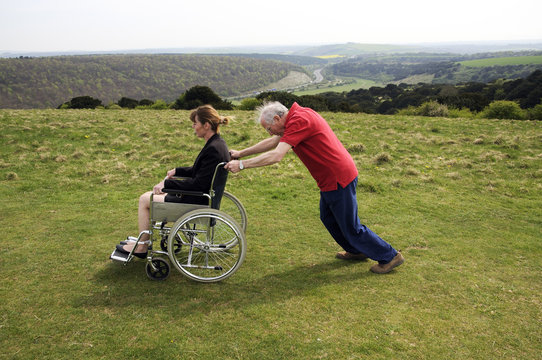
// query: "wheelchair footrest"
[[119, 256]]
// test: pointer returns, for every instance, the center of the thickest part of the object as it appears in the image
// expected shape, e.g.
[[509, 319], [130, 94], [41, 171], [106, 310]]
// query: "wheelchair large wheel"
[[213, 245], [233, 207]]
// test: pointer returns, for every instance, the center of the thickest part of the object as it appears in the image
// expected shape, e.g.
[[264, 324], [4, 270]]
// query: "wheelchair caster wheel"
[[158, 269]]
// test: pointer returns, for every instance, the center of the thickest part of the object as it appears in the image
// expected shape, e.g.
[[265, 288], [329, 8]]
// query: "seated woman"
[[198, 177]]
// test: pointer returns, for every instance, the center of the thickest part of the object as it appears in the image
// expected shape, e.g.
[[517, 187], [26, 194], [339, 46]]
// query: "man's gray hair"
[[268, 110]]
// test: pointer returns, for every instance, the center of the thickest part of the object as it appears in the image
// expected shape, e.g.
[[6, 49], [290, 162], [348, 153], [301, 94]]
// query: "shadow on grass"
[[122, 286]]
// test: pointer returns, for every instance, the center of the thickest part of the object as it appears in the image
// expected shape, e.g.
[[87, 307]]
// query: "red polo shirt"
[[317, 146]]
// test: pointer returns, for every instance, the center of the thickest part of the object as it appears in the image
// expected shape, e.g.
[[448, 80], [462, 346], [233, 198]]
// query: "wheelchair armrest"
[[184, 192]]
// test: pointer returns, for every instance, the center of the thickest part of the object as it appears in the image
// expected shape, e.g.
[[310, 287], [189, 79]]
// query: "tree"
[[81, 102], [473, 101], [285, 98], [201, 95], [128, 103], [315, 102], [146, 102]]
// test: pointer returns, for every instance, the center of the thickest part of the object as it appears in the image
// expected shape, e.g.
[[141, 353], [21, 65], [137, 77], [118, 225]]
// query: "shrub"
[[503, 109], [159, 105], [460, 113], [409, 111], [536, 112], [113, 106], [433, 108], [249, 104]]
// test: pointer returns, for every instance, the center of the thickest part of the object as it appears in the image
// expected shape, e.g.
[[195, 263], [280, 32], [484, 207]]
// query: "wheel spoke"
[[204, 255]]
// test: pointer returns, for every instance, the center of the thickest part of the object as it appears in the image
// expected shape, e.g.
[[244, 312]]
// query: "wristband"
[[241, 167]]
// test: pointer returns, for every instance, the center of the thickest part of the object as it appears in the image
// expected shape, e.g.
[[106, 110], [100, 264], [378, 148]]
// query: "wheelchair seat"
[[165, 212]]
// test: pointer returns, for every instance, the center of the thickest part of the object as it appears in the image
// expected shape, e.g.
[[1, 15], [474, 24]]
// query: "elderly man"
[[308, 134]]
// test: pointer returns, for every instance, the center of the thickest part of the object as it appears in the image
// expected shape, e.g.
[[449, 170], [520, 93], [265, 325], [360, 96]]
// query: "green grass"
[[357, 84], [461, 198], [503, 61]]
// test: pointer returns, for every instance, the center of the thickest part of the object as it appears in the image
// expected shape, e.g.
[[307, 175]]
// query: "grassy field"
[[503, 61], [357, 84], [461, 198]]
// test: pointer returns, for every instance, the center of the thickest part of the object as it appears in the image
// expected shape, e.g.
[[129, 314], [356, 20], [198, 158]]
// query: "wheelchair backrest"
[[218, 184]]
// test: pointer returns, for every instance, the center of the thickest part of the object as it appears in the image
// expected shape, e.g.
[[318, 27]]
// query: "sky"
[[107, 25]]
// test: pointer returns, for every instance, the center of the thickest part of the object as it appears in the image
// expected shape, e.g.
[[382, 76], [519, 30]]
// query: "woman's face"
[[199, 129]]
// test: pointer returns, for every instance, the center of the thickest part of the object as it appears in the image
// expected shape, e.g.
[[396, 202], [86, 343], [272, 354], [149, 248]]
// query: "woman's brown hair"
[[208, 114]]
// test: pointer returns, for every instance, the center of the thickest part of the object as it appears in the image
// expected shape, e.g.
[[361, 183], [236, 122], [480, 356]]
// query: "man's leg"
[[327, 218], [342, 204]]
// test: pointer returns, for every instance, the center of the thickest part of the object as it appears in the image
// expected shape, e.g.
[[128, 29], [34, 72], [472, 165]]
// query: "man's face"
[[276, 127]]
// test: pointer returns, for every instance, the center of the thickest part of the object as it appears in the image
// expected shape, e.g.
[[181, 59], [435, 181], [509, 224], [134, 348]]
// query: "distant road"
[[318, 78], [318, 74]]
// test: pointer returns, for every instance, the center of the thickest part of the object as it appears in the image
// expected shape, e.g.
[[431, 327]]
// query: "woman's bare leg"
[[143, 215]]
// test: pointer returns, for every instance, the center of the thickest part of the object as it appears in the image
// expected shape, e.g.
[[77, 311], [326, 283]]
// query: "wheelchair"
[[206, 243]]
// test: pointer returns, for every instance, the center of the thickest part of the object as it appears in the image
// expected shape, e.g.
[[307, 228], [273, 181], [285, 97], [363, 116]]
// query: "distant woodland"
[[401, 79], [49, 81], [439, 68], [526, 93]]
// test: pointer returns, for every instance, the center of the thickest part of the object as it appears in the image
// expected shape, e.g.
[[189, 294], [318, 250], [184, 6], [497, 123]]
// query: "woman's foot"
[[130, 240], [140, 251]]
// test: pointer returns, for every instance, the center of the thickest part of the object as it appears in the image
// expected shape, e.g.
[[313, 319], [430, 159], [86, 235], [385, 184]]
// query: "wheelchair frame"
[[204, 243]]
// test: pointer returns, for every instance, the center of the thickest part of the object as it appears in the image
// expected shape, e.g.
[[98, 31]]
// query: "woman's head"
[[207, 114]]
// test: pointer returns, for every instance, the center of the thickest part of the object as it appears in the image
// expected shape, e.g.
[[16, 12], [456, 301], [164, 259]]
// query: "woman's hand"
[[170, 174], [157, 190]]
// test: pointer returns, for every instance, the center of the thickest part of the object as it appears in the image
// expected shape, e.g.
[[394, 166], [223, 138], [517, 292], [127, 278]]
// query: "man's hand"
[[233, 166], [235, 155]]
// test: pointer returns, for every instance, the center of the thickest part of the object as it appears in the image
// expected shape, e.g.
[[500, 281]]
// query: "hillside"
[[50, 81], [28, 82], [439, 68], [462, 199]]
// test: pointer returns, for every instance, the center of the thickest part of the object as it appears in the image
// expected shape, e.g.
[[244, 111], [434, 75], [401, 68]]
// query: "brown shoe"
[[386, 268], [345, 255]]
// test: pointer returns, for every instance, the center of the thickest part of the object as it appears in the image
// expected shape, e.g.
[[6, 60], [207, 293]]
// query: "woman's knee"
[[145, 199]]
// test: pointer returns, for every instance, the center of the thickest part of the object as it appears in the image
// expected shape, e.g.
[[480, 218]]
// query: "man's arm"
[[262, 146], [268, 158]]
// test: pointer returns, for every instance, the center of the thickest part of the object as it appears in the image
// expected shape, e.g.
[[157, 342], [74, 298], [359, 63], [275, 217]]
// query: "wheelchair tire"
[[160, 271], [204, 255], [233, 207]]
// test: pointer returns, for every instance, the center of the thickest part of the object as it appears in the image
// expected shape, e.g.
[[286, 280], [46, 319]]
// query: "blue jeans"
[[339, 213]]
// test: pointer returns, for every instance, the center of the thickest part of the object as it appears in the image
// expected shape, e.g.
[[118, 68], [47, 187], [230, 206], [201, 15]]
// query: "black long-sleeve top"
[[199, 176]]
